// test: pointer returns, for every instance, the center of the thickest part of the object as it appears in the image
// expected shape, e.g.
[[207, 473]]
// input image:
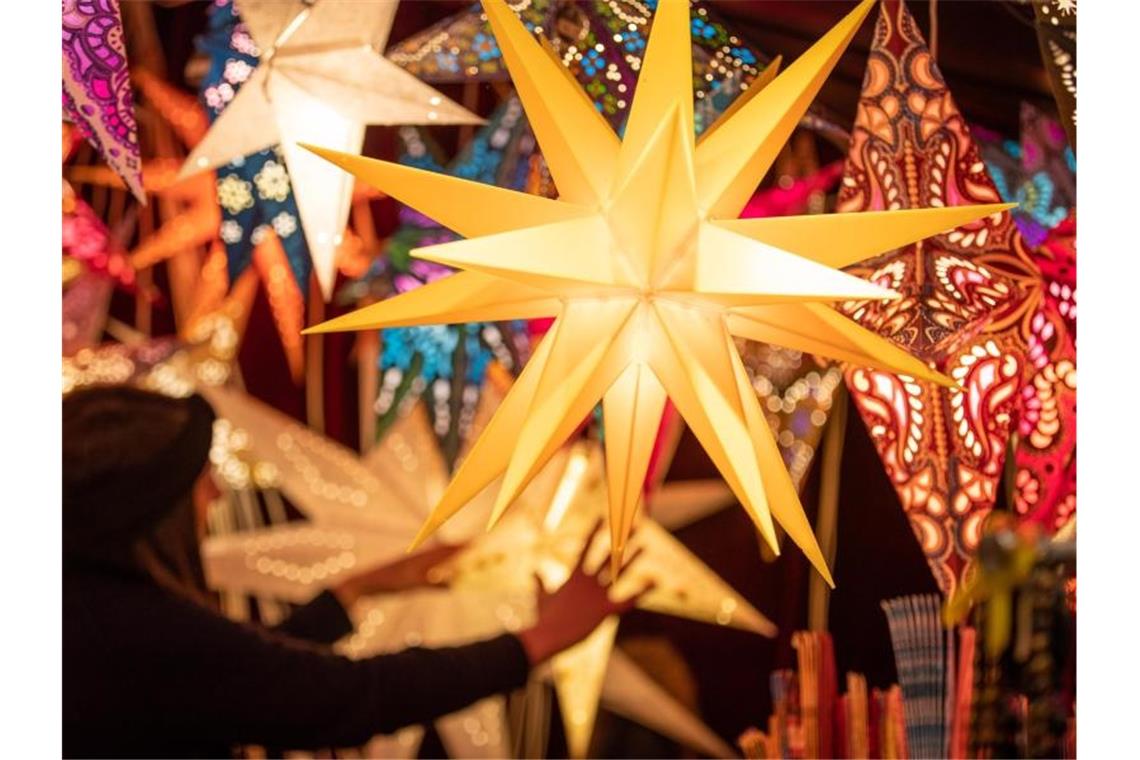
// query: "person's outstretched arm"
[[235, 684], [325, 619]]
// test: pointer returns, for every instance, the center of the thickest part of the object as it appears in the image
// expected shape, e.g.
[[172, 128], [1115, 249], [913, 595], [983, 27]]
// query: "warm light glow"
[[567, 488], [491, 581], [649, 273]]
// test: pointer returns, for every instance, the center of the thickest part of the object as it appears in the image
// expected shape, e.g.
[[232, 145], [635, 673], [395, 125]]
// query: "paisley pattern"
[[943, 449], [1044, 477], [97, 87], [1045, 486], [601, 41], [253, 192]]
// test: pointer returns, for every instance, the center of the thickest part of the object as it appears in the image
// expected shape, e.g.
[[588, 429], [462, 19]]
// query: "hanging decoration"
[[943, 448], [319, 76], [1045, 458], [1056, 22], [253, 192], [648, 290], [601, 43], [445, 365], [1045, 148], [97, 87], [362, 512], [277, 251], [164, 365], [1039, 172], [199, 221], [796, 395], [187, 209], [415, 360], [419, 360]]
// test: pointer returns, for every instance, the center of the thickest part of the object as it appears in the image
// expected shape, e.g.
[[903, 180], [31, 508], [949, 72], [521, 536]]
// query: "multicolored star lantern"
[[602, 43], [320, 77], [97, 86], [445, 366], [963, 306], [252, 193], [1056, 22], [192, 218], [1039, 172], [649, 274]]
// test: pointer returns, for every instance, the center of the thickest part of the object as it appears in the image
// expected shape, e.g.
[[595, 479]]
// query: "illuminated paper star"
[[648, 272], [363, 512], [546, 542], [321, 78]]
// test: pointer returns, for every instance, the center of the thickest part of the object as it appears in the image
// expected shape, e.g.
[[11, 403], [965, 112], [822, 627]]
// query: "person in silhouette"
[[150, 668]]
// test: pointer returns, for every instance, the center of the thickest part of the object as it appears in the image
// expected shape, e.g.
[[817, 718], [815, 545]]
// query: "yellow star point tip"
[[648, 274], [344, 323], [422, 536]]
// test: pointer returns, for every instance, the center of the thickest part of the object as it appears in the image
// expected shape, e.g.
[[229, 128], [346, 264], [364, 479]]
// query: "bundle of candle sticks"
[[1001, 688]]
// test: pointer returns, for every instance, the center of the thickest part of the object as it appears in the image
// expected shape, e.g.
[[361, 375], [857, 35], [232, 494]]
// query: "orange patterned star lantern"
[[943, 448]]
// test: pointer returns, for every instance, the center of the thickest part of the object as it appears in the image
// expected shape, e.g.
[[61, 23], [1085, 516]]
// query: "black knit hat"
[[129, 458]]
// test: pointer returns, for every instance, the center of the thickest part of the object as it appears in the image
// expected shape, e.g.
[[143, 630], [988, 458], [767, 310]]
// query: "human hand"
[[421, 569], [574, 610]]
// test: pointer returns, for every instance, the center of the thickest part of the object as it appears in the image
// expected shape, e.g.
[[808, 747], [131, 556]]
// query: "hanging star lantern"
[[648, 273], [320, 78], [445, 366], [97, 86], [546, 542], [968, 303], [363, 511], [191, 219]]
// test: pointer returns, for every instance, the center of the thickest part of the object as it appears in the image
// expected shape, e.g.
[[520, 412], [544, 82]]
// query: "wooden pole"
[[367, 355], [315, 361], [471, 103], [831, 457]]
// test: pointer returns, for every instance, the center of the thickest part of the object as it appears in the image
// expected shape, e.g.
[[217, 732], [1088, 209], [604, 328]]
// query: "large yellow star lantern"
[[649, 274]]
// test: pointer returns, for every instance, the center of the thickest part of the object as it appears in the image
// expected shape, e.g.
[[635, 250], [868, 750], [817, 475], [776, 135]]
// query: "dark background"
[[988, 54]]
